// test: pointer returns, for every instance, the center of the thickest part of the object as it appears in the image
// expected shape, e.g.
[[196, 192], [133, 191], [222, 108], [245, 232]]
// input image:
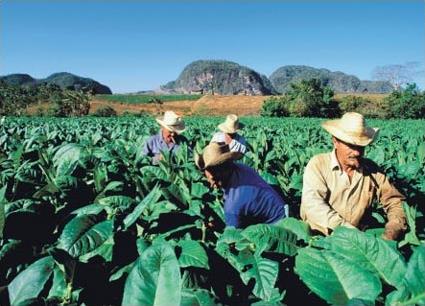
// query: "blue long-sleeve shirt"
[[156, 143], [250, 200]]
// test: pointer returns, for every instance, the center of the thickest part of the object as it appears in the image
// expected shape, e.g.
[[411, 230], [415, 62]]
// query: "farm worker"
[[229, 135], [248, 199], [340, 186], [168, 138]]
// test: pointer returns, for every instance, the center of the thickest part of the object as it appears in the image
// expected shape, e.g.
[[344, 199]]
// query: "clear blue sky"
[[139, 45]]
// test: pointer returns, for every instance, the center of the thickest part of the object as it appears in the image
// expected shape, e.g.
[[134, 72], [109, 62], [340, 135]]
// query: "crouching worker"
[[340, 186], [248, 199], [168, 138], [229, 135]]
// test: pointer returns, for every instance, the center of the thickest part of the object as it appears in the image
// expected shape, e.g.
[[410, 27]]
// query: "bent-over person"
[[248, 199], [340, 186], [228, 134]]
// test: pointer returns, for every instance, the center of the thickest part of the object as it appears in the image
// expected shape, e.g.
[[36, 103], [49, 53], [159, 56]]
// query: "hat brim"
[[200, 163], [334, 128], [225, 129], [180, 128]]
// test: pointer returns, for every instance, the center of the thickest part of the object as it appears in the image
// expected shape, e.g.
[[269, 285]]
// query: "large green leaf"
[[192, 254], [335, 279], [298, 227], [264, 272], [197, 297], [272, 238], [152, 197], [84, 234], [59, 286], [30, 282], [2, 215], [368, 251], [155, 279], [67, 158], [413, 290]]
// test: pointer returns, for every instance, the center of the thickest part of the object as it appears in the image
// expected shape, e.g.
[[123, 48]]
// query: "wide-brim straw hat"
[[214, 154], [172, 122], [351, 128], [231, 125]]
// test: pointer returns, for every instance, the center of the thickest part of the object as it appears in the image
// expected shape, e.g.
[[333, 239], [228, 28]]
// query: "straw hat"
[[351, 128], [172, 122], [231, 125], [214, 154]]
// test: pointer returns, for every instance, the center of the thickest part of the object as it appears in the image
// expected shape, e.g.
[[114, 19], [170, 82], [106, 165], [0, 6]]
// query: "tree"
[[398, 75]]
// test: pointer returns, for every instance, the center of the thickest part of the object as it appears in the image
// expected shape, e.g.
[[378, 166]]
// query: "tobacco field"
[[85, 219]]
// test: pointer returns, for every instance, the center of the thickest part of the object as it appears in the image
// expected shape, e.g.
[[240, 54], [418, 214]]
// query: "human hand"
[[392, 231]]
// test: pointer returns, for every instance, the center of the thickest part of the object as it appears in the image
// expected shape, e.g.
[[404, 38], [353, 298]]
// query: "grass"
[[143, 99]]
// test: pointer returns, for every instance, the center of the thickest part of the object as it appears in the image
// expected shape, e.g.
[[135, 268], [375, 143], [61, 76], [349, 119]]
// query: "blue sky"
[[139, 45]]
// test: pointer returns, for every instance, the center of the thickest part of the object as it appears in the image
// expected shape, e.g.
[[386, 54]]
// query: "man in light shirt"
[[248, 199], [339, 187], [168, 138], [229, 135]]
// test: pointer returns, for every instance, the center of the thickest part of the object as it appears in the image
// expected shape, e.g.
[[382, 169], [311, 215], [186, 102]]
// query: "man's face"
[[213, 179], [168, 136], [349, 155]]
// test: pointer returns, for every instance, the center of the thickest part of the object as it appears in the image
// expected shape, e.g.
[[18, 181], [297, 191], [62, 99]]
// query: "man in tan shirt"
[[339, 187]]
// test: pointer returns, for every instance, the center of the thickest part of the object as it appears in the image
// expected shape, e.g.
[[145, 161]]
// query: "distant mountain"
[[219, 76], [338, 81], [64, 80]]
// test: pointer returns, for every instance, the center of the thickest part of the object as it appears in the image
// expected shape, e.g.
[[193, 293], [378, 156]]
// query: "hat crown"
[[353, 123], [230, 125], [213, 151], [171, 118]]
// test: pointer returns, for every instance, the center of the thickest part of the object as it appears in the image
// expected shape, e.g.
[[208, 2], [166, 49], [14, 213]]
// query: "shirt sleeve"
[[146, 151], [238, 145], [218, 137], [314, 207], [391, 200]]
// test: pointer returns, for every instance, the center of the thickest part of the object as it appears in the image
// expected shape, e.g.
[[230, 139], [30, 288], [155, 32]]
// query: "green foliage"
[[70, 103], [105, 111], [99, 217], [406, 103], [304, 99], [274, 107]]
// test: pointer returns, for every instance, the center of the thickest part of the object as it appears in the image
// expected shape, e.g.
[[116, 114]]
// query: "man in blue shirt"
[[248, 199], [168, 138]]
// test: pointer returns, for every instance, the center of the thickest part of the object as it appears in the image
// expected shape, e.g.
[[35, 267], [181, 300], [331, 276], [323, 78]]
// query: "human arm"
[[392, 202]]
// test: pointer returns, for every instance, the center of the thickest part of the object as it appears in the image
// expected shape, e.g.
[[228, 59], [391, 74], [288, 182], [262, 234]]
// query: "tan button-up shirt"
[[329, 198]]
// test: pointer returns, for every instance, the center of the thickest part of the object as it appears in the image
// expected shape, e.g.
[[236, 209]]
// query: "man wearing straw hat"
[[339, 187], [168, 138], [248, 199], [229, 134]]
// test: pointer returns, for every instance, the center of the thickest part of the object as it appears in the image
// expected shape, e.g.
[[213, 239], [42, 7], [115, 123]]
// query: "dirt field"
[[207, 105]]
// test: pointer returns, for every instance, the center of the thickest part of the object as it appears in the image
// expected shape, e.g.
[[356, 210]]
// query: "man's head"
[[349, 155], [216, 162], [218, 176], [350, 136], [171, 125], [168, 135]]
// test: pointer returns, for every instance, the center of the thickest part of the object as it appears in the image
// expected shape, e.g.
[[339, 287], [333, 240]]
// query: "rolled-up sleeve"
[[314, 207], [237, 145], [391, 200]]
